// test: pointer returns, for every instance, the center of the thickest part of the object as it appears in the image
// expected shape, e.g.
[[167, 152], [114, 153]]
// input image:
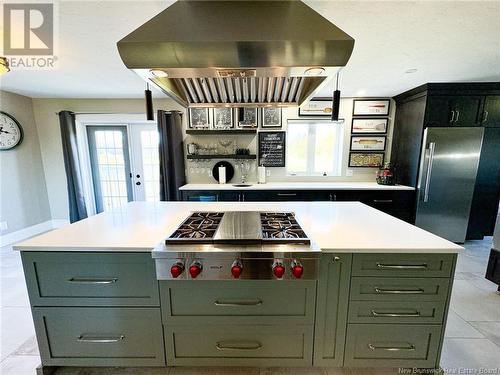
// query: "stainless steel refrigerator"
[[446, 179]]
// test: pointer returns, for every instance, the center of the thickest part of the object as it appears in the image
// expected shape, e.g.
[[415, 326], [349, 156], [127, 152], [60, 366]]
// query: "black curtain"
[[171, 150], [77, 207]]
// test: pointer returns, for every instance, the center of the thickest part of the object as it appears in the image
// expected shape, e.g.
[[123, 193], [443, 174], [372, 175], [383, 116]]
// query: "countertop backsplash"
[[201, 171]]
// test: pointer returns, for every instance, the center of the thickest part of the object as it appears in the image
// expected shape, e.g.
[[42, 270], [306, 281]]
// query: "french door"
[[124, 164]]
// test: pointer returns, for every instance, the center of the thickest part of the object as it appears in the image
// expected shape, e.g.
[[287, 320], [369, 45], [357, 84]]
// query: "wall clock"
[[11, 132]]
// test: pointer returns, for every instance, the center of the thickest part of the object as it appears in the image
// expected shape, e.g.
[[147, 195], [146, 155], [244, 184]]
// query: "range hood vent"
[[237, 53]]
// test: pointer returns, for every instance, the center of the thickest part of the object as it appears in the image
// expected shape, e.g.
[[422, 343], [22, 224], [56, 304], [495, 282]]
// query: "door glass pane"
[[111, 167], [150, 164], [324, 150]]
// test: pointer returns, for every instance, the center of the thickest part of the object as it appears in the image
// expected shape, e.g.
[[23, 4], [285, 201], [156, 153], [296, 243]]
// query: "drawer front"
[[91, 279], [83, 336], [396, 312], [403, 265], [399, 289], [252, 345], [238, 301], [386, 345]]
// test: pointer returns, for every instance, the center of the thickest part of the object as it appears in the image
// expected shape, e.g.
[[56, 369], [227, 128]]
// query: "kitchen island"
[[380, 299]]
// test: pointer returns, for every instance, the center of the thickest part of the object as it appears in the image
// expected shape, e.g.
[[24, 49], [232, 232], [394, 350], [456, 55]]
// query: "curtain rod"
[[113, 113]]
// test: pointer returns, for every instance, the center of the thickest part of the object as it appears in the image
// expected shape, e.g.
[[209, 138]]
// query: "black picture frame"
[[388, 101], [370, 118], [263, 114], [319, 99], [239, 115], [214, 124], [282, 135], [366, 153], [368, 136], [191, 126]]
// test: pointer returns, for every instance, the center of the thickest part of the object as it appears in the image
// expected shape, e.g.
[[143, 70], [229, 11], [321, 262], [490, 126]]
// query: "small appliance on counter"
[[385, 175]]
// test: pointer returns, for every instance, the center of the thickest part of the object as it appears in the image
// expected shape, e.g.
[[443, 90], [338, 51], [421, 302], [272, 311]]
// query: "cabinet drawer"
[[403, 265], [91, 279], [394, 345], [396, 312], [252, 345], [239, 301], [99, 336], [398, 289]]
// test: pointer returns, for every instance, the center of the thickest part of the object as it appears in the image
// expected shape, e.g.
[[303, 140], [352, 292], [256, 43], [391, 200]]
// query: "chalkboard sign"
[[272, 149]]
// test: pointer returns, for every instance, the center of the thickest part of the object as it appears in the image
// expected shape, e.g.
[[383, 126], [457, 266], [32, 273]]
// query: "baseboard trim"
[[22, 234]]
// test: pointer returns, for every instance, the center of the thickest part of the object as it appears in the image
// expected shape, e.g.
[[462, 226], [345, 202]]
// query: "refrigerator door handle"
[[432, 146]]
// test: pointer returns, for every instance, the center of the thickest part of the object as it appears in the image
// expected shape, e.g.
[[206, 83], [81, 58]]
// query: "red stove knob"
[[236, 269], [177, 269], [195, 269], [278, 269], [297, 269]]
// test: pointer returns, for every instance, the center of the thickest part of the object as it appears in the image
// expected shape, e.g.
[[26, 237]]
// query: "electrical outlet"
[[348, 172], [3, 225], [268, 172]]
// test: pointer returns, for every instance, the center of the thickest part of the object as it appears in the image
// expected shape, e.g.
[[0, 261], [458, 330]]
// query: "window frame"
[[311, 155]]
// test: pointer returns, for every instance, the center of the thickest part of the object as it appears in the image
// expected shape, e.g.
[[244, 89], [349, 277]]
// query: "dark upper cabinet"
[[454, 110], [491, 112]]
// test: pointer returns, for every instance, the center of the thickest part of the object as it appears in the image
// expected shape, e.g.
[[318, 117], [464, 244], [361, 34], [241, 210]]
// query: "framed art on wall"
[[369, 107], [199, 118], [223, 118], [247, 117], [316, 107], [369, 125], [271, 149], [271, 117], [366, 159], [368, 143]]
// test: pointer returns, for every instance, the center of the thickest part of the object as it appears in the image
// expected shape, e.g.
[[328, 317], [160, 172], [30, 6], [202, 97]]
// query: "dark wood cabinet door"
[[456, 110], [466, 110], [491, 113]]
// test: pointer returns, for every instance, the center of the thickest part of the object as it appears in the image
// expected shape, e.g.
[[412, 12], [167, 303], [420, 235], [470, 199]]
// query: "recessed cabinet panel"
[[491, 113], [381, 345]]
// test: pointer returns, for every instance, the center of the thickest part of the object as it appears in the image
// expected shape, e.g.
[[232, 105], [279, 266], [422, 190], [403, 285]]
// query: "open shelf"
[[221, 131], [222, 156]]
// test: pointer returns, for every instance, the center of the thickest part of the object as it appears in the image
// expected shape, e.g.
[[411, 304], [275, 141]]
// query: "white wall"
[[279, 174], [23, 194]]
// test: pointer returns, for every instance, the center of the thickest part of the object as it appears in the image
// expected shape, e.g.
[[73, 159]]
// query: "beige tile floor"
[[472, 342]]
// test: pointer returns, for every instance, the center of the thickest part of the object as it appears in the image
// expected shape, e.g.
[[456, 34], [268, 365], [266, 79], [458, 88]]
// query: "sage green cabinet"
[[83, 336], [239, 301], [90, 279], [331, 310], [402, 265], [239, 345]]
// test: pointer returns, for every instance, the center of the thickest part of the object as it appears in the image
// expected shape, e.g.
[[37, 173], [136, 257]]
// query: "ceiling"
[[445, 41]]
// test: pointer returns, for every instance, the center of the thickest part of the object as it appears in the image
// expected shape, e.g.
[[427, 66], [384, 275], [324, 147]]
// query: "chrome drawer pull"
[[257, 302], [397, 315], [287, 194], [391, 348], [83, 280], [422, 266], [103, 340], [226, 345], [398, 291], [382, 201]]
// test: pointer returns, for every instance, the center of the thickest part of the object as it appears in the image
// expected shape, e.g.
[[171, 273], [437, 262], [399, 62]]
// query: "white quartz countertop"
[[299, 186], [333, 227]]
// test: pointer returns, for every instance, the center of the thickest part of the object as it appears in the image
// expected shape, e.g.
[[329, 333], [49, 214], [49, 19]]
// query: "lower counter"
[[375, 310]]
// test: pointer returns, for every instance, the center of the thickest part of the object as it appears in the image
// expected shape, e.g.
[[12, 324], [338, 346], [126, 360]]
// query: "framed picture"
[[316, 107], [223, 118], [247, 117], [271, 117], [366, 159], [369, 125], [199, 118], [271, 148], [369, 107], [368, 143]]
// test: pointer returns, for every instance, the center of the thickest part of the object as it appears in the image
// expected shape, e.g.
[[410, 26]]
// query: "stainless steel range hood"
[[237, 53]]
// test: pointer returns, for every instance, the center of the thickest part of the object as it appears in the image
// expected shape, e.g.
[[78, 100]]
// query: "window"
[[314, 148]]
